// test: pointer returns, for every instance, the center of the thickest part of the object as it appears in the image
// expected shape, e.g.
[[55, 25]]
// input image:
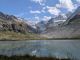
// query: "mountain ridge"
[[58, 27], [69, 29], [14, 28]]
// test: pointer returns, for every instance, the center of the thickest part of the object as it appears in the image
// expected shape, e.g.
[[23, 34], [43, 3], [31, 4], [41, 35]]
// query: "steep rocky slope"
[[12, 23], [14, 28], [69, 29], [43, 25]]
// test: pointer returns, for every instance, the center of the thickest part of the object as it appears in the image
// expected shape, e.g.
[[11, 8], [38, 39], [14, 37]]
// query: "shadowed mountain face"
[[14, 28], [12, 23], [69, 29], [43, 25], [7, 17]]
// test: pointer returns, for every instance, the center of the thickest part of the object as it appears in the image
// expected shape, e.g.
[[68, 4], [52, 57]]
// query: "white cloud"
[[58, 5], [67, 4], [45, 18], [64, 15], [36, 17], [53, 10], [33, 12], [43, 10], [41, 2]]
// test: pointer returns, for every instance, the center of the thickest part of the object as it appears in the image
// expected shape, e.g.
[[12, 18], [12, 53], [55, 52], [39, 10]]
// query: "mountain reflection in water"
[[42, 48]]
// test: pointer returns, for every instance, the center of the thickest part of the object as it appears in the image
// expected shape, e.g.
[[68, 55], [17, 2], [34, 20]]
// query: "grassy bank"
[[14, 36], [27, 57], [63, 39], [10, 35]]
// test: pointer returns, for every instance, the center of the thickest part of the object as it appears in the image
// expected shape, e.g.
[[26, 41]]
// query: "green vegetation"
[[27, 57], [10, 35], [74, 38], [13, 36]]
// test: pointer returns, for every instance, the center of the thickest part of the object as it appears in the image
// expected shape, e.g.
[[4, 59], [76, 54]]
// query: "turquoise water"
[[54, 48]]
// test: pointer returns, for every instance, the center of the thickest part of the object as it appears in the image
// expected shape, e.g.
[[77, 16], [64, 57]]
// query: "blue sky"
[[37, 10]]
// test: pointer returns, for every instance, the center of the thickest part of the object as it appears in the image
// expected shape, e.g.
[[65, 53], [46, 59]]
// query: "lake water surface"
[[54, 48]]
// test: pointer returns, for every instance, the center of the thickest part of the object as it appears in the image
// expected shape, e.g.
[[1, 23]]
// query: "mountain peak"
[[75, 14], [7, 17]]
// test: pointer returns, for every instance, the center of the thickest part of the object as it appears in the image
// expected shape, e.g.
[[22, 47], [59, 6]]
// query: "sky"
[[38, 10]]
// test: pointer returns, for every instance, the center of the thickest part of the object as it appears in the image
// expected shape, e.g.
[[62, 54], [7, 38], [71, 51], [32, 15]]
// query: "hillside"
[[13, 28], [68, 29]]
